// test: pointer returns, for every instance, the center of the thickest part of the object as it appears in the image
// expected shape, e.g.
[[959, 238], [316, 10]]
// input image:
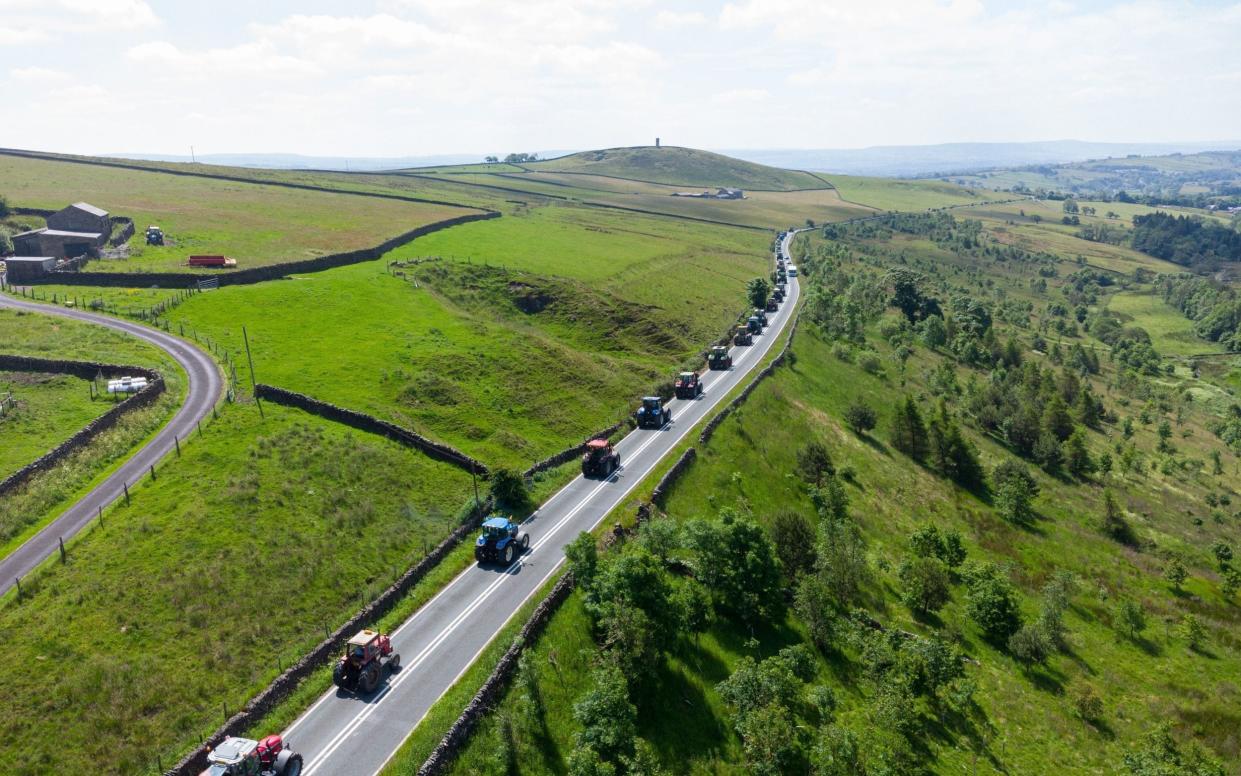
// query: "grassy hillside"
[[256, 225], [46, 409], [680, 166], [1100, 688]]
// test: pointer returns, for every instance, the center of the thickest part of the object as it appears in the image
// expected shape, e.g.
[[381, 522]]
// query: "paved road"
[[205, 387], [342, 734]]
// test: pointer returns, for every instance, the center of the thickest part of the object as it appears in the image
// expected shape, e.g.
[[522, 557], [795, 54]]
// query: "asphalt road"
[[205, 387], [347, 735]]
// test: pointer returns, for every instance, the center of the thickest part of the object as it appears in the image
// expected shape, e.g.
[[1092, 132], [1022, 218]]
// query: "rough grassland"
[[48, 409], [685, 166], [171, 612], [1171, 332], [256, 225], [766, 209], [491, 356], [894, 194]]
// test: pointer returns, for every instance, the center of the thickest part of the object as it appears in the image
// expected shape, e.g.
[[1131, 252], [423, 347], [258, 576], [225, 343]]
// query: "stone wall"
[[280, 688], [672, 475], [459, 734], [737, 401], [372, 424], [87, 370], [122, 230], [256, 274]]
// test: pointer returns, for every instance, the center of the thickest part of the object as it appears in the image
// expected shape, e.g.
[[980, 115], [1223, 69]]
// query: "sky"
[[420, 77]]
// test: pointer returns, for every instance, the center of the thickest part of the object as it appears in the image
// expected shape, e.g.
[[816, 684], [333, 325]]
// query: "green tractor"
[[743, 336], [754, 325], [719, 358]]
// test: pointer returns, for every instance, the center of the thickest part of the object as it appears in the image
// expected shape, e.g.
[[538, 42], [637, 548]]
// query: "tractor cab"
[[755, 325], [600, 458], [773, 304], [761, 315], [500, 540], [743, 336], [777, 295], [652, 413], [247, 757], [688, 386], [719, 358], [365, 656]]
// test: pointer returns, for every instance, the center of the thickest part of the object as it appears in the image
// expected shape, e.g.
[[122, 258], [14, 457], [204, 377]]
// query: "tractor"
[[761, 315], [743, 336], [246, 757], [652, 413], [366, 654], [719, 358], [688, 386], [777, 295], [773, 304], [155, 235], [501, 541], [754, 325], [600, 459]]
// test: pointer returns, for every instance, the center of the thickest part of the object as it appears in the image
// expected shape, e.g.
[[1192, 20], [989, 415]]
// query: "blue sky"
[[414, 77]]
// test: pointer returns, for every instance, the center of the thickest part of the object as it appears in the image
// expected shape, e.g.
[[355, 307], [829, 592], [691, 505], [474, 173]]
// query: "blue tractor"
[[501, 541], [652, 413]]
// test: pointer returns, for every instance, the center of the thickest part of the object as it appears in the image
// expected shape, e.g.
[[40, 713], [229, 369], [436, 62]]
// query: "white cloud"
[[38, 75], [31, 21], [675, 20]]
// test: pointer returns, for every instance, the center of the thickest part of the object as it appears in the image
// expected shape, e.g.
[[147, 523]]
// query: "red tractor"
[[366, 654], [600, 459], [688, 386], [245, 757]]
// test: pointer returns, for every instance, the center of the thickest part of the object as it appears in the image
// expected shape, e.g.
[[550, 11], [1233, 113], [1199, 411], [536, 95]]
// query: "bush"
[[1030, 644], [924, 584], [870, 363], [814, 462], [508, 488], [794, 539], [1087, 704], [991, 602], [608, 719], [1015, 489], [860, 417]]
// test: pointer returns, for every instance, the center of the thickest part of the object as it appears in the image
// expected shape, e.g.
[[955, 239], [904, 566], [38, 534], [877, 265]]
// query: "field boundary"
[[481, 704], [371, 424], [256, 274], [87, 370], [284, 684]]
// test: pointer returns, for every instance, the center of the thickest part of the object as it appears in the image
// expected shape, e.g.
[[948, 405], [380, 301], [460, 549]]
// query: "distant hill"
[[928, 160], [678, 166]]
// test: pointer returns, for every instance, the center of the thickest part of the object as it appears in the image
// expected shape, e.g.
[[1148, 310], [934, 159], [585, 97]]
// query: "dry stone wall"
[[87, 370]]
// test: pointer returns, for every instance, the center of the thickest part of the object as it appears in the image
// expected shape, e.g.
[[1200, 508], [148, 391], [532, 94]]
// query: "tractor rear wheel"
[[369, 679]]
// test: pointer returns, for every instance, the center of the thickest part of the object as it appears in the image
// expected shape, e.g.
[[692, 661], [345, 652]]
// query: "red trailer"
[[212, 261]]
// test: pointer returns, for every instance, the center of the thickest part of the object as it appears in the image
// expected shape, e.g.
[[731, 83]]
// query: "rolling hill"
[[681, 166]]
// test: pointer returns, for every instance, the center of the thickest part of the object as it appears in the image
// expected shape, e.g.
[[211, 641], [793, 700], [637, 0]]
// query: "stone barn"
[[23, 269], [57, 243], [81, 217]]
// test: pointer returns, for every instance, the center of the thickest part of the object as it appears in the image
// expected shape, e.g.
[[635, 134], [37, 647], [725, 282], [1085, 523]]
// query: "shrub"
[[860, 417], [814, 462], [924, 584], [1086, 703], [1015, 489], [1030, 644], [991, 602], [794, 539], [508, 488]]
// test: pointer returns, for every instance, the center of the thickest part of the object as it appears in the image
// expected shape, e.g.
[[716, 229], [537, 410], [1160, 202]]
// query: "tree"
[[1192, 631], [1114, 523], [1030, 644], [1222, 551], [1087, 703], [736, 561], [860, 417], [841, 564], [660, 538], [508, 488], [924, 584], [794, 540], [929, 541], [909, 433], [645, 760], [1015, 489], [1160, 755], [1175, 573], [770, 741], [608, 719], [1130, 619], [951, 453], [757, 291], [583, 556], [1077, 456], [6, 243], [907, 296], [585, 761], [836, 753], [991, 602], [814, 462]]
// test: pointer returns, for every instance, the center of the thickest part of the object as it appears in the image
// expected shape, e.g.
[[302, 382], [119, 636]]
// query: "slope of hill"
[[681, 166]]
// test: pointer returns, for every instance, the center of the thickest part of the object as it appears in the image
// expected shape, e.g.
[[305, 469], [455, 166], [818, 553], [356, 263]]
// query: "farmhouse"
[[719, 194], [77, 230]]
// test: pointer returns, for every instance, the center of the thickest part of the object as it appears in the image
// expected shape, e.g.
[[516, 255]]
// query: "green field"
[[170, 612], [455, 348], [893, 194], [683, 166], [1170, 331], [255, 225], [45, 410]]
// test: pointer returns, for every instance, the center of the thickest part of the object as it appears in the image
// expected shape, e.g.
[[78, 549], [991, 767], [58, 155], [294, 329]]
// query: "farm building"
[[21, 269], [56, 243], [81, 217]]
